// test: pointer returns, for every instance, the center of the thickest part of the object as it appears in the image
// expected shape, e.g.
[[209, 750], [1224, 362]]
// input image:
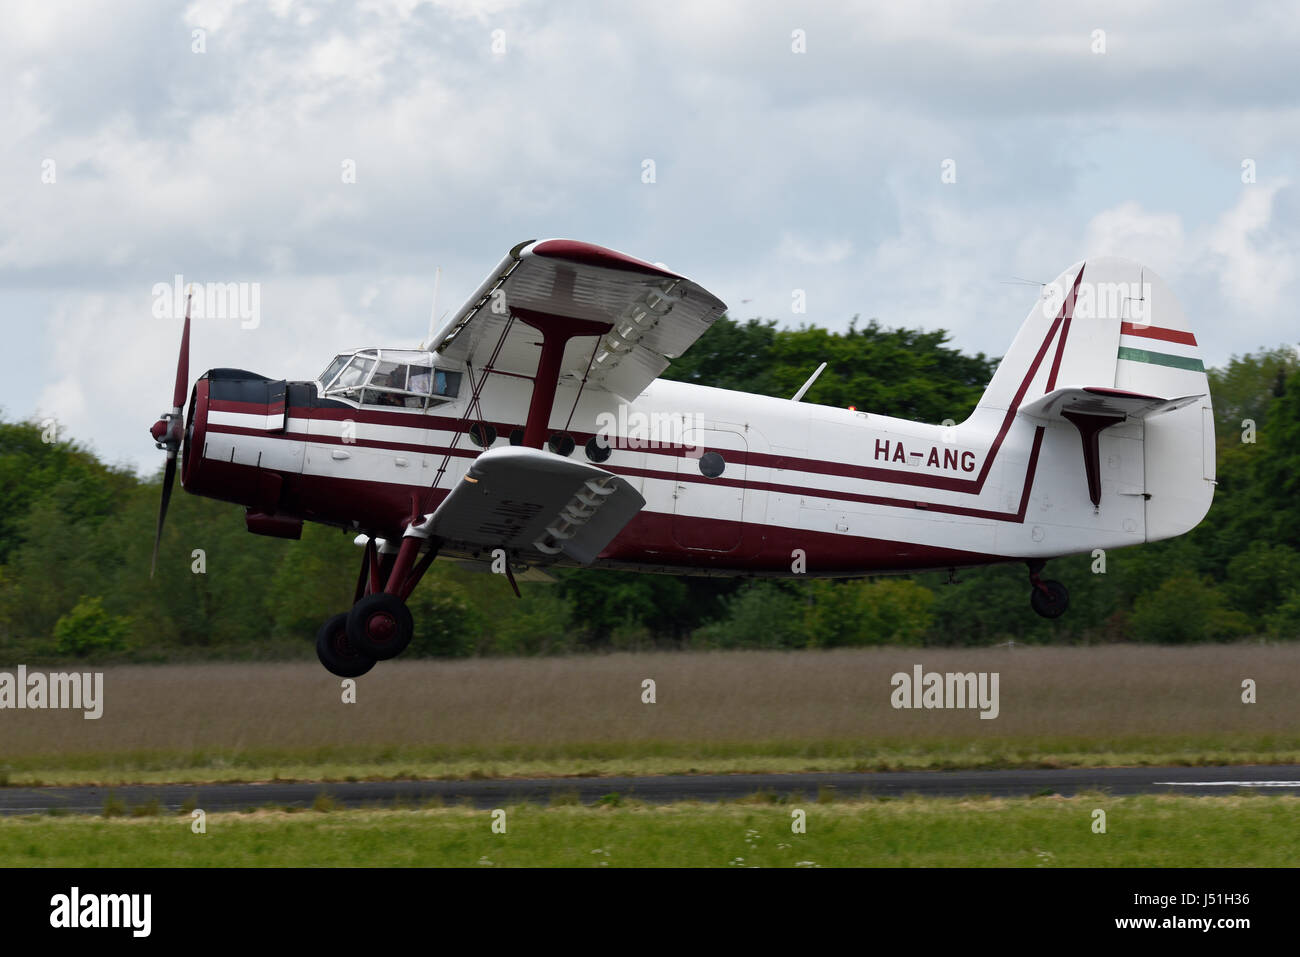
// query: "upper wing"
[[1101, 400], [653, 314], [521, 498]]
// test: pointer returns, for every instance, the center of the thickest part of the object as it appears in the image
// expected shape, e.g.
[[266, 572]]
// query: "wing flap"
[[521, 498]]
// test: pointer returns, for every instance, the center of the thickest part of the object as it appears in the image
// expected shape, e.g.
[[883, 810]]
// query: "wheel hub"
[[381, 627]]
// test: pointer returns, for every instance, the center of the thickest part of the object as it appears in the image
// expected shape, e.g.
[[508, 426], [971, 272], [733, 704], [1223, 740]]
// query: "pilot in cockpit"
[[420, 381]]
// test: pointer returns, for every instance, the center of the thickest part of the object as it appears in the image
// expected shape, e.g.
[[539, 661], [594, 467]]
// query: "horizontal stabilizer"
[[523, 498], [1102, 401]]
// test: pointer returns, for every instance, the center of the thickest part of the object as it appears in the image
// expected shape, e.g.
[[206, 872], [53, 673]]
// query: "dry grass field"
[[714, 711]]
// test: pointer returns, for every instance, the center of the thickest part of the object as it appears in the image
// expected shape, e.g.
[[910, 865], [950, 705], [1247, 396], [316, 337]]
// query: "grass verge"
[[1149, 831]]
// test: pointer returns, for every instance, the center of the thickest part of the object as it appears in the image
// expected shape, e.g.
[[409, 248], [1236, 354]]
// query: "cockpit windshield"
[[390, 377], [328, 375]]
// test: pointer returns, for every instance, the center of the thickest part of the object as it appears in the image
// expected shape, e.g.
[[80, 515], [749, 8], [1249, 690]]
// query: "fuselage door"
[[709, 493]]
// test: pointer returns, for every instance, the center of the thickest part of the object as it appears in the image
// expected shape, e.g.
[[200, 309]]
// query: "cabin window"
[[446, 383], [390, 375], [712, 464]]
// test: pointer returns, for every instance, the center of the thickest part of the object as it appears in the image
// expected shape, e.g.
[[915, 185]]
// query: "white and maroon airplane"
[[532, 429]]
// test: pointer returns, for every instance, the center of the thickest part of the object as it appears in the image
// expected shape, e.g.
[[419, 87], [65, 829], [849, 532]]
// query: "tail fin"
[[1106, 343]]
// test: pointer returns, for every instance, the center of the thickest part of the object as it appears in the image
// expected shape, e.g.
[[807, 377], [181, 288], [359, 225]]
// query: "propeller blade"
[[168, 431], [169, 477], [183, 363]]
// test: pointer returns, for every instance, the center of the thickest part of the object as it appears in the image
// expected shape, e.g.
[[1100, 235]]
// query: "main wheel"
[[1053, 602], [380, 625], [337, 653]]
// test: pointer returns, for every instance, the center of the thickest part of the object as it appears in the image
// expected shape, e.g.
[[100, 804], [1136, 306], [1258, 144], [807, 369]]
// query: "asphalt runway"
[[1271, 779]]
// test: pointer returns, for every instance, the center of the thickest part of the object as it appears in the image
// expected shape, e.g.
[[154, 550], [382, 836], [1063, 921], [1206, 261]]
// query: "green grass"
[[1236, 831]]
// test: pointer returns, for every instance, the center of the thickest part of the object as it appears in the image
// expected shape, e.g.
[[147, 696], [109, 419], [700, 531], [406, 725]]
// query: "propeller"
[[169, 430]]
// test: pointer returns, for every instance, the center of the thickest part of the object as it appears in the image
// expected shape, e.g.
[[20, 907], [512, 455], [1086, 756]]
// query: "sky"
[[332, 156]]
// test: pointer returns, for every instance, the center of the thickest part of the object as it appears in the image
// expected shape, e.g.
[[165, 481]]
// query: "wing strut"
[[556, 332]]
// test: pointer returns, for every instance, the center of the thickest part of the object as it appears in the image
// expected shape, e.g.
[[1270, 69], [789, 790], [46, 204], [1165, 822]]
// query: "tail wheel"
[[336, 651], [380, 625], [1049, 598]]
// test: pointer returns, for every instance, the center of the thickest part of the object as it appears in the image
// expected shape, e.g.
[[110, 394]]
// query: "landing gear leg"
[[380, 625], [1048, 598]]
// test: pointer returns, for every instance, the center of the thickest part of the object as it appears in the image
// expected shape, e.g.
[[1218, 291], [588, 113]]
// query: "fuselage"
[[734, 483]]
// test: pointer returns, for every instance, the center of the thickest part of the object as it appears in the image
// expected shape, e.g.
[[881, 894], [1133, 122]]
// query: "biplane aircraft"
[[531, 429]]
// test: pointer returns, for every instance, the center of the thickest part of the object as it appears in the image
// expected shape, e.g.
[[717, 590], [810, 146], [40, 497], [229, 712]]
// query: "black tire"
[[336, 652], [1051, 604], [381, 626]]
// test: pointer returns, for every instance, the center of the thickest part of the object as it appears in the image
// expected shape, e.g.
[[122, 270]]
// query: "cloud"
[[1256, 259], [1130, 231]]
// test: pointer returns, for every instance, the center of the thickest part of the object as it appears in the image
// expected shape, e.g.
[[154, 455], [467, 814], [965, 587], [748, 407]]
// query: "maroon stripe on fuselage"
[[660, 475], [759, 459], [835, 494], [468, 453], [1017, 516]]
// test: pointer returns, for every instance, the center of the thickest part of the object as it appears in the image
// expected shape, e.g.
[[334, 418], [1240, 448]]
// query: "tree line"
[[76, 535]]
